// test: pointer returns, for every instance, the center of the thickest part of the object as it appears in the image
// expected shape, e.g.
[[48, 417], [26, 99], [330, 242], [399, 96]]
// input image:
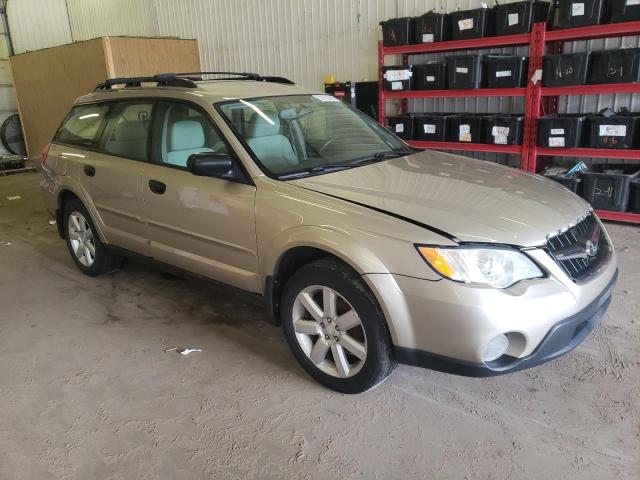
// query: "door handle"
[[157, 187], [89, 170]]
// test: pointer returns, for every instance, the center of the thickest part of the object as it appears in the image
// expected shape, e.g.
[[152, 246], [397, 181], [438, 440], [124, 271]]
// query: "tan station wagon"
[[367, 251]]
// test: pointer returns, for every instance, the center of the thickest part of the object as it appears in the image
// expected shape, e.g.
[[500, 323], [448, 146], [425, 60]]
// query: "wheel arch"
[[67, 194], [307, 246]]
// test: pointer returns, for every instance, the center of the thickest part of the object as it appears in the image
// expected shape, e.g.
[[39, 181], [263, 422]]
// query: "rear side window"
[[127, 131], [82, 126]]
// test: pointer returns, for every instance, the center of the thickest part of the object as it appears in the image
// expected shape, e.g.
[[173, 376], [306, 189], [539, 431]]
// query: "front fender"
[[333, 241]]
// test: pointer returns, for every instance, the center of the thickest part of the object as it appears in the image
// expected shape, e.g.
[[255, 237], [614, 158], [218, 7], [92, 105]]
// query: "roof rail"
[[186, 80]]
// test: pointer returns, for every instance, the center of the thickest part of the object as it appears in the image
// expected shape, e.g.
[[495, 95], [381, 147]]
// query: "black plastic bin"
[[622, 131], [431, 76], [464, 71], [465, 128], [505, 71], [503, 129], [565, 69], [431, 27], [577, 13], [634, 197], [561, 130], [476, 23], [615, 66], [396, 31], [397, 78], [573, 183], [401, 126], [431, 127], [606, 187], [517, 17], [624, 10]]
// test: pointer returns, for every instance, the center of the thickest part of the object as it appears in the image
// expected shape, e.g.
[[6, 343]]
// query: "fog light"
[[495, 348]]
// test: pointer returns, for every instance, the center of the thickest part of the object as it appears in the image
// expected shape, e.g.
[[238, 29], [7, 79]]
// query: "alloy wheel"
[[329, 331], [81, 239]]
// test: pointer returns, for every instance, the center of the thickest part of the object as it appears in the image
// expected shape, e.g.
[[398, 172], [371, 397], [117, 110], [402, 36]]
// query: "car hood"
[[472, 200]]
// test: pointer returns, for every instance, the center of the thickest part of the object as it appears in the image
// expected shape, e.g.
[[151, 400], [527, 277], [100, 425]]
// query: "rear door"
[[110, 167], [201, 224]]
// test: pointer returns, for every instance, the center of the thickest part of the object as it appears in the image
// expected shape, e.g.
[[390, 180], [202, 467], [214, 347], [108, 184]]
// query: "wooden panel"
[[48, 81], [132, 56]]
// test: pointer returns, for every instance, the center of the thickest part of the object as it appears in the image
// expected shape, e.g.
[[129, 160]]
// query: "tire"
[[102, 261], [359, 370]]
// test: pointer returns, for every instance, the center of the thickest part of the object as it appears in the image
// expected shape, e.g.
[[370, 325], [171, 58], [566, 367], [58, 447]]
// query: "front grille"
[[580, 250]]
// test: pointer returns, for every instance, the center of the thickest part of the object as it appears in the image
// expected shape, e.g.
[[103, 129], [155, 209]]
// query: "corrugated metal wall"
[[299, 39], [36, 24], [95, 18]]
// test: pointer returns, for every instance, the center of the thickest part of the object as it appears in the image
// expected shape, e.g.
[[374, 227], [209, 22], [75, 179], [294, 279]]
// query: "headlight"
[[498, 267]]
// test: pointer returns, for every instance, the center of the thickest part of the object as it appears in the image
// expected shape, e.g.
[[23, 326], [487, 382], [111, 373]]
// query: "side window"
[[127, 131], [83, 125], [182, 131]]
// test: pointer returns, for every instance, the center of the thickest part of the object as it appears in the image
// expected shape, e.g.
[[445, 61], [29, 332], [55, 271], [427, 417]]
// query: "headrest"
[[185, 134], [260, 127], [128, 131]]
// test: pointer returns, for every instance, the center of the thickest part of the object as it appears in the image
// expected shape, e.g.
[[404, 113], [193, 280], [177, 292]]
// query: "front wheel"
[[335, 328]]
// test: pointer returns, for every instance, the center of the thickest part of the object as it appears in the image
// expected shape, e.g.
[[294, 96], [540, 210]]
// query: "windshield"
[[301, 135]]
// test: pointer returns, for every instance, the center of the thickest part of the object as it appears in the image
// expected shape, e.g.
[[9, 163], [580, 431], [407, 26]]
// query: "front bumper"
[[563, 337], [447, 325]]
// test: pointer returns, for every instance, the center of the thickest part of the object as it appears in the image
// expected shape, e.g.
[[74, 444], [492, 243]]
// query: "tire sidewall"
[[379, 361]]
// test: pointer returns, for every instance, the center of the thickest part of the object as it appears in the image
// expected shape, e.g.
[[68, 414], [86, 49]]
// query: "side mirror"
[[208, 164]]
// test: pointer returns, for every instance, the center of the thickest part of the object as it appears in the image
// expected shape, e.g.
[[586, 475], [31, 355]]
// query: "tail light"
[[44, 154]]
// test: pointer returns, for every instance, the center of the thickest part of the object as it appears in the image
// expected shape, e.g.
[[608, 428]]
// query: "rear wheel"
[[335, 328], [88, 252]]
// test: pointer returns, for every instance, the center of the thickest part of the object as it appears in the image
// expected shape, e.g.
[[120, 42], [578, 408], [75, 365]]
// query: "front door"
[[201, 224]]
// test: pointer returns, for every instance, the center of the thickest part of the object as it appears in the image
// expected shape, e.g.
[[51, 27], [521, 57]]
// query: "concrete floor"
[[88, 392]]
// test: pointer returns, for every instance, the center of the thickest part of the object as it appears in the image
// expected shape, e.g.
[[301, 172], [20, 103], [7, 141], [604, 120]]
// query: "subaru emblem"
[[591, 248]]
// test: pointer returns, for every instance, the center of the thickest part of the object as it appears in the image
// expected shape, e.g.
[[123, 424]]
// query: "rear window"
[[82, 126]]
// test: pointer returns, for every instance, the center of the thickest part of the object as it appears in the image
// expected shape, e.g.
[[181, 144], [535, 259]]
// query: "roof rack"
[[186, 80]]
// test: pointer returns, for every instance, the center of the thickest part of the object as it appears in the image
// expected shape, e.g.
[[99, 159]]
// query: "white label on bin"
[[631, 3], [427, 38], [397, 75], [612, 130], [557, 131], [513, 19], [430, 78], [429, 128], [464, 133], [577, 9], [556, 141], [496, 130], [466, 24], [396, 85], [503, 73], [326, 98], [462, 70], [399, 127]]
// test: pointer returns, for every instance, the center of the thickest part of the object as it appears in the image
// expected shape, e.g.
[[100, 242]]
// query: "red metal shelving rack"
[[533, 93]]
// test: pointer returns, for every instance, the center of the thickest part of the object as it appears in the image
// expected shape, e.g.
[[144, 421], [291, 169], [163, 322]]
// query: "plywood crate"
[[48, 81]]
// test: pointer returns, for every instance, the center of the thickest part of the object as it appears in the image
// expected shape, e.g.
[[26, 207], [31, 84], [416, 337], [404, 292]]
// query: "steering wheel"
[[329, 142]]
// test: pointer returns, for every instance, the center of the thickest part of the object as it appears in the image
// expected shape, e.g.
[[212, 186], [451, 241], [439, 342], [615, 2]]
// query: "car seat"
[[186, 137], [129, 140], [271, 147]]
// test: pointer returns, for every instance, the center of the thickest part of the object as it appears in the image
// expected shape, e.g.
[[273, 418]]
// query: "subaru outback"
[[368, 252]]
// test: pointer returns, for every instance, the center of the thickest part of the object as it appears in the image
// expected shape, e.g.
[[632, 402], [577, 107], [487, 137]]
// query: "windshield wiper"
[[314, 171], [376, 157], [379, 156]]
